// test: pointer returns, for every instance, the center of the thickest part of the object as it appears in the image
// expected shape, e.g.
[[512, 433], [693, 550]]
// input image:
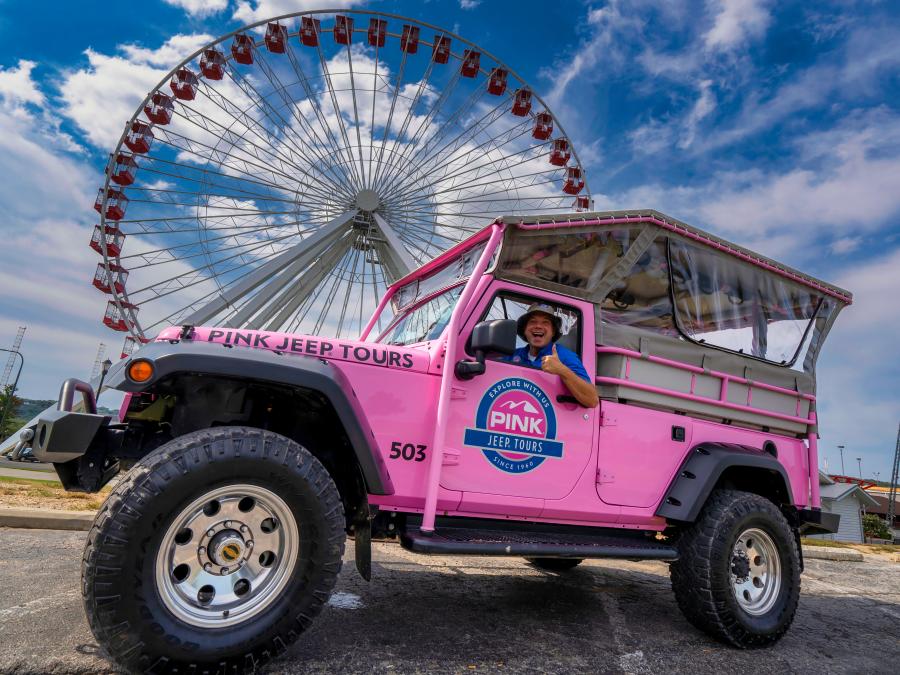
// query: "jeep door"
[[512, 441]]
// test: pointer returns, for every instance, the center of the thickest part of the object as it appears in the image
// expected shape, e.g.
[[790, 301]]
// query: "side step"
[[532, 540]]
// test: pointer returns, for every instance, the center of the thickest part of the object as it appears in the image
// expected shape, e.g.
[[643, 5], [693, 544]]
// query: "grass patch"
[[27, 493], [865, 548]]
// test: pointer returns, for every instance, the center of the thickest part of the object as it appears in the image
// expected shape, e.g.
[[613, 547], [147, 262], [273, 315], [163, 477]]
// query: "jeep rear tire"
[[213, 553], [738, 574], [555, 564]]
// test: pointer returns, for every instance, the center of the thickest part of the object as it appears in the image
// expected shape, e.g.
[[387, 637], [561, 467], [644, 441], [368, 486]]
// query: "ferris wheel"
[[284, 175]]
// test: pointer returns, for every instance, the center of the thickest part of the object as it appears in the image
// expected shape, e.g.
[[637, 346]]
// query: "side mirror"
[[488, 337]]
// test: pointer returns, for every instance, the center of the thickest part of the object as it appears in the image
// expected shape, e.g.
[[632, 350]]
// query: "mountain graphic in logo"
[[525, 405]]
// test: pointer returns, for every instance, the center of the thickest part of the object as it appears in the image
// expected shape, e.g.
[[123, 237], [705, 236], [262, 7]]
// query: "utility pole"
[[841, 448], [892, 493], [859, 464]]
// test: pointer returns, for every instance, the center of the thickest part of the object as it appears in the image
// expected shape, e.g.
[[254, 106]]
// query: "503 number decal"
[[407, 451]]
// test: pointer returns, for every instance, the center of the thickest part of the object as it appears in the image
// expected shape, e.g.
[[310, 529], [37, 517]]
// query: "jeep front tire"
[[214, 553], [738, 574]]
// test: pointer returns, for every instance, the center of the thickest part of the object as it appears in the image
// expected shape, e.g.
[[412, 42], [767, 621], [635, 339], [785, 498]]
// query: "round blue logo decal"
[[515, 426]]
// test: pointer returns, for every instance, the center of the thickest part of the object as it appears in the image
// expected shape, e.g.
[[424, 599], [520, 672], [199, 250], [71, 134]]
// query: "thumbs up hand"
[[552, 364]]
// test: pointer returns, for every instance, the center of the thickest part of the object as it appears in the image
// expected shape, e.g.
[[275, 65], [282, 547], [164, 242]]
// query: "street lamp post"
[[14, 387], [859, 464], [841, 449]]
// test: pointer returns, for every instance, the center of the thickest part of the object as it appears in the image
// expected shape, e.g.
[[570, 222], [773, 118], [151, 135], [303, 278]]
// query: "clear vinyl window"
[[734, 305], [572, 259], [641, 299]]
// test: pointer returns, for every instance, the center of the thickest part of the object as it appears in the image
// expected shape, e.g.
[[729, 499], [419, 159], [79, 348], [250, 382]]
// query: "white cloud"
[[16, 86], [607, 24], [102, 97], [845, 245], [844, 182], [469, 4], [199, 8], [858, 370], [705, 104], [736, 22], [259, 10]]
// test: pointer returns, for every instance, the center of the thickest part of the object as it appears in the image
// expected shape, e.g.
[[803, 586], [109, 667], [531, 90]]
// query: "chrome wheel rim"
[[755, 572], [227, 556]]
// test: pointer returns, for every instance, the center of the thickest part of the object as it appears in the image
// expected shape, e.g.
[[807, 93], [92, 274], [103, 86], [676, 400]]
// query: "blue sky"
[[772, 124]]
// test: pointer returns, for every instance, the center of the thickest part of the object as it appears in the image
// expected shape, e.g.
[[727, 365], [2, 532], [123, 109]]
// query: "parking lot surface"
[[470, 615]]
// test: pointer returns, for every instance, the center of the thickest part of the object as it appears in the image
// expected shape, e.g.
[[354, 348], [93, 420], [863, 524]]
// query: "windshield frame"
[[409, 309]]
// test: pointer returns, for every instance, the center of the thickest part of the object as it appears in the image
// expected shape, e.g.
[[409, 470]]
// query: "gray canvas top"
[[677, 226]]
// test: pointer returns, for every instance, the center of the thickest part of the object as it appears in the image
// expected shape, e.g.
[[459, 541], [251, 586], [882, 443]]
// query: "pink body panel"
[[606, 466]]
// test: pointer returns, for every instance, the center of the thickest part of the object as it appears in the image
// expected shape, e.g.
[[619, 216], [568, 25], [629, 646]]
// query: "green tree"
[[11, 423], [875, 527]]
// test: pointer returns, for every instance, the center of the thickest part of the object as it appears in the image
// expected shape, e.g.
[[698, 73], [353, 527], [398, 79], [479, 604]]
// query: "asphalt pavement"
[[470, 615]]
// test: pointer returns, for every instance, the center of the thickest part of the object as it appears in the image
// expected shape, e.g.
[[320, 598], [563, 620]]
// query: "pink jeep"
[[254, 454]]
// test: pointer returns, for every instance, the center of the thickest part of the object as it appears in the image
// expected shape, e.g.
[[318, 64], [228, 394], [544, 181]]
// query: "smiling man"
[[540, 327]]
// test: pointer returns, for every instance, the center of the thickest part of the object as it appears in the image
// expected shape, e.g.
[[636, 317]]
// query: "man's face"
[[539, 330]]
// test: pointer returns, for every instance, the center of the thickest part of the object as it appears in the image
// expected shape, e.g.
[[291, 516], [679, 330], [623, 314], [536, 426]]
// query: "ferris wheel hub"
[[367, 200]]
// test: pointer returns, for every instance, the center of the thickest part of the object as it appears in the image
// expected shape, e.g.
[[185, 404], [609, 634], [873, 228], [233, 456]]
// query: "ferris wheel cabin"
[[139, 137], [212, 64], [114, 237]]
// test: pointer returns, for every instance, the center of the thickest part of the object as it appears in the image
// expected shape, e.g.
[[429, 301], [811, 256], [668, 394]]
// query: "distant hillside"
[[32, 407]]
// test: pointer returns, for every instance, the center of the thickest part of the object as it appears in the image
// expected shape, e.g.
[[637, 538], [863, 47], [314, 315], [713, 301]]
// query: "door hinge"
[[457, 393], [451, 457], [606, 420], [604, 477]]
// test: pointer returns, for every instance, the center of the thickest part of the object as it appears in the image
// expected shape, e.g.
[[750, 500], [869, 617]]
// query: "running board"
[[539, 543]]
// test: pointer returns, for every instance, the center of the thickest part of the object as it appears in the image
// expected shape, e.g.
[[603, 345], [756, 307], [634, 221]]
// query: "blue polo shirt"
[[567, 356]]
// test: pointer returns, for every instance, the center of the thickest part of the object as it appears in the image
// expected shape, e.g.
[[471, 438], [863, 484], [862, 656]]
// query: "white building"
[[847, 500]]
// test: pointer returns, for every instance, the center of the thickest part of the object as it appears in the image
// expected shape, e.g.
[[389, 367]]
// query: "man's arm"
[[583, 391]]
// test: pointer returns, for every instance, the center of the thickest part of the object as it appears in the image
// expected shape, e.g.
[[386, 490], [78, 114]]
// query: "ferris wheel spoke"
[[241, 142], [292, 143], [513, 161], [347, 288], [290, 299], [410, 112], [251, 124], [265, 272], [218, 157], [313, 98], [314, 140], [254, 196], [449, 123], [368, 183], [390, 118], [186, 251], [424, 124], [203, 175], [342, 127], [362, 170], [464, 165], [161, 288], [430, 152]]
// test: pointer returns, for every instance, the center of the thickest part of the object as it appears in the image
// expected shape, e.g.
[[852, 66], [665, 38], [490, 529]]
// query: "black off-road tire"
[[555, 564], [121, 596], [701, 578]]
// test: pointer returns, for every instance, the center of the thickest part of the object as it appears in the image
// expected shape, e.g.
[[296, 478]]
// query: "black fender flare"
[[203, 358], [701, 470]]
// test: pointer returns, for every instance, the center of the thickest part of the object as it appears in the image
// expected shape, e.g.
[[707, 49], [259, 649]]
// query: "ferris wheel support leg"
[[292, 297], [399, 254], [267, 271], [264, 296]]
